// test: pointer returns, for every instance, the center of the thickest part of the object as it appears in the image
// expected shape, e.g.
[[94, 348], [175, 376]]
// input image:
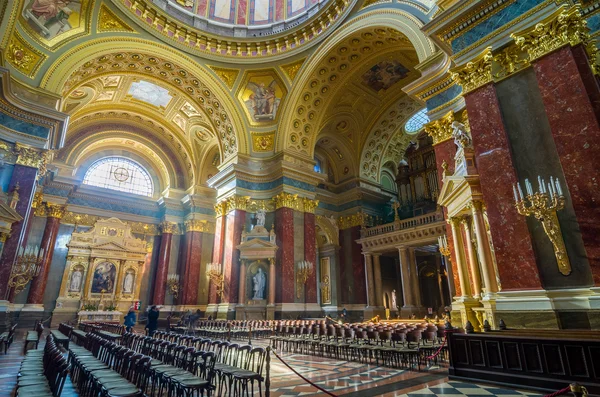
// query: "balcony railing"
[[417, 221]]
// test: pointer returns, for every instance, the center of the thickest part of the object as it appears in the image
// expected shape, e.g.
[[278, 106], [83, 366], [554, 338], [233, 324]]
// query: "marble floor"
[[341, 378]]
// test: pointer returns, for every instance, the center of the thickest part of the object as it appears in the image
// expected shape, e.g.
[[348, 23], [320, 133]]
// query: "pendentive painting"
[[384, 75], [104, 278], [261, 95], [53, 18]]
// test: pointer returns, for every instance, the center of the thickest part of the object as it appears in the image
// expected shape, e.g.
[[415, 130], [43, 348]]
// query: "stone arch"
[[328, 226], [301, 136], [200, 85]]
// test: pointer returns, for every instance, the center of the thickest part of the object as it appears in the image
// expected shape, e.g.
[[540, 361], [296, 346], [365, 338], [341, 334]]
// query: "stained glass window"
[[416, 122], [119, 173]]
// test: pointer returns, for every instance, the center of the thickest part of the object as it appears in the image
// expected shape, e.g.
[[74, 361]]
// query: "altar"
[[257, 273], [85, 316]]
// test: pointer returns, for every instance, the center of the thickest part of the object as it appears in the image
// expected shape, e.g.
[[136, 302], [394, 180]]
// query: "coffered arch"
[[152, 60], [346, 49]]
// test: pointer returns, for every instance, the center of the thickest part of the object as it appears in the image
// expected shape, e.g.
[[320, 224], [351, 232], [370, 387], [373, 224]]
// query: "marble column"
[[358, 267], [377, 278], [369, 280], [24, 178], [242, 289], [438, 266], [461, 265], [272, 281], [284, 230], [236, 220], [571, 97], [414, 278], [407, 291], [512, 242], [38, 284], [472, 260], [310, 255], [162, 268], [488, 270], [193, 259], [218, 245]]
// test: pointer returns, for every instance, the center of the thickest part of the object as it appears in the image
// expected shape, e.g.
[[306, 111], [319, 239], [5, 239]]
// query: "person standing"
[[130, 319], [152, 323]]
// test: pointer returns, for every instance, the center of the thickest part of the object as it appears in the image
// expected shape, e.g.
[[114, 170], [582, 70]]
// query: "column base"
[[462, 311]]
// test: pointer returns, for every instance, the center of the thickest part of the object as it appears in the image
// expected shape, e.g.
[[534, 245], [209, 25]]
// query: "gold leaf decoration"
[[108, 21], [263, 142], [22, 56], [227, 75], [291, 69], [441, 129], [476, 73]]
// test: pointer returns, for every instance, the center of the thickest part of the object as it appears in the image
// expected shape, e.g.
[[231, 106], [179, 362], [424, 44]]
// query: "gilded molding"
[[30, 157], [348, 221], [263, 142], [108, 21], [441, 129], [55, 210], [227, 75], [564, 27], [197, 225], [23, 56], [475, 73], [73, 218], [168, 227]]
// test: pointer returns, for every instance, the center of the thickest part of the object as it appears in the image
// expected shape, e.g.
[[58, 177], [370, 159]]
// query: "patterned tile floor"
[[342, 378]]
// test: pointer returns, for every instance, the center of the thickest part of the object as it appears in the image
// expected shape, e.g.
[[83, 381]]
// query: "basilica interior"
[[384, 197]]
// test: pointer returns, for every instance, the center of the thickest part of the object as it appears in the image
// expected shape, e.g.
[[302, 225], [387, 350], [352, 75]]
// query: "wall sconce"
[[26, 267], [214, 271], [443, 245], [173, 284], [304, 269], [543, 205]]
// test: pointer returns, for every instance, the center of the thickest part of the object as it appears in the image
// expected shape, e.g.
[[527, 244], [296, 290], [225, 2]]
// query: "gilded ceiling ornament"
[[441, 129], [108, 21], [29, 156], [291, 69], [227, 75], [263, 142], [55, 210], [22, 56], [476, 73], [563, 27], [168, 227]]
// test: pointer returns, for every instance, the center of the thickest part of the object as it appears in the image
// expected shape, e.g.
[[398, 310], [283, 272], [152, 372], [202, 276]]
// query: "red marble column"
[[343, 286], [217, 255], [284, 230], [515, 256], [38, 284], [162, 269], [571, 98], [310, 255], [358, 268], [191, 270], [25, 177], [231, 255]]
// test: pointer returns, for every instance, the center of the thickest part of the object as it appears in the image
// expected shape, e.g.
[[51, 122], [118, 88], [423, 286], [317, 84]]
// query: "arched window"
[[119, 173], [416, 122], [318, 165]]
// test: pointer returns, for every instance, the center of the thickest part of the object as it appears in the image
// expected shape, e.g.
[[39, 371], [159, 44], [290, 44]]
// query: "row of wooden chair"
[[236, 367], [33, 337], [43, 372], [62, 335], [7, 337]]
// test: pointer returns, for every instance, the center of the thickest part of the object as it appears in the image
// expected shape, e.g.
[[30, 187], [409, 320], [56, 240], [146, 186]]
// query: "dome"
[[242, 18]]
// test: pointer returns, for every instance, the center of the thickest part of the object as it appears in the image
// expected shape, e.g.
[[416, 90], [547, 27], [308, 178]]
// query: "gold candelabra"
[[173, 284], [214, 271], [26, 267], [443, 246], [543, 205], [303, 272]]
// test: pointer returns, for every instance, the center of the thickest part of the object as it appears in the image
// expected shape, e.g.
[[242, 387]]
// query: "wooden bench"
[[7, 337], [34, 336], [79, 337], [62, 335], [109, 336]]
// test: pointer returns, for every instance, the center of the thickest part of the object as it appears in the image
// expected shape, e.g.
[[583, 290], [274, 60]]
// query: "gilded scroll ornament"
[[508, 61], [22, 56], [476, 73]]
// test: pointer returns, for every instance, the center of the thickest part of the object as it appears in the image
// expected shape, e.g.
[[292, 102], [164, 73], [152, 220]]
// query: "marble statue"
[[76, 281], [260, 282], [128, 283], [394, 302], [260, 217], [461, 136]]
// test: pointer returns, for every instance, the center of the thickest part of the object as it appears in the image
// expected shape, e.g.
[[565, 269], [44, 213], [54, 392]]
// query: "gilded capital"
[[475, 206], [4, 237], [55, 210], [476, 73], [441, 129], [221, 208], [348, 221], [168, 227], [29, 156], [310, 205], [236, 202], [286, 200], [197, 225]]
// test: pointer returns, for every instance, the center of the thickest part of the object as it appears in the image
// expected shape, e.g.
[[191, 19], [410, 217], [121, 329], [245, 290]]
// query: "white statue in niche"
[[461, 136], [260, 282], [394, 303], [128, 283], [76, 281], [260, 217]]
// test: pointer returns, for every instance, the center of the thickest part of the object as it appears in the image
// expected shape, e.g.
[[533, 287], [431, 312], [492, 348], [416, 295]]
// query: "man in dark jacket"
[[152, 323]]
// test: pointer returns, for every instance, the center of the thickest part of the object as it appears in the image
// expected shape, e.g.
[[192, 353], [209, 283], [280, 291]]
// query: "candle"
[[520, 191], [558, 188], [540, 184], [551, 185], [515, 193], [528, 187], [544, 186]]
